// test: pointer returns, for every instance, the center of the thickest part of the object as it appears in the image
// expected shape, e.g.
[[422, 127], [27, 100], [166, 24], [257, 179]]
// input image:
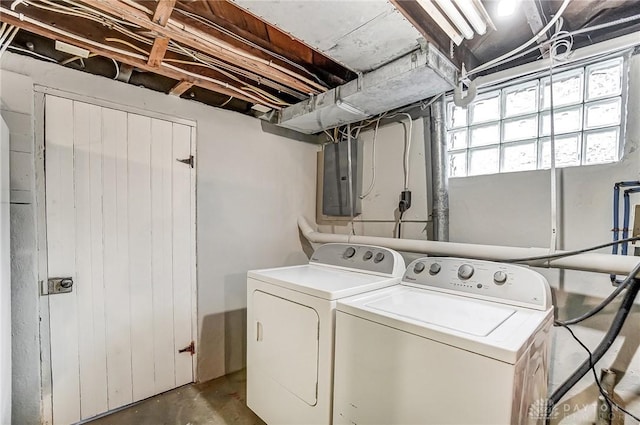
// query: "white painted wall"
[[251, 186], [5, 279], [513, 209]]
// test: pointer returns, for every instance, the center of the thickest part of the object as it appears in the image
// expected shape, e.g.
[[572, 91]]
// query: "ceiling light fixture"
[[456, 18], [442, 22], [472, 15]]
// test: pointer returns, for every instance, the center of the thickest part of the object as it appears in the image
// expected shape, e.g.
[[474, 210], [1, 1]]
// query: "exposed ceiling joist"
[[206, 43], [163, 11], [160, 45], [181, 87], [132, 59], [158, 51]]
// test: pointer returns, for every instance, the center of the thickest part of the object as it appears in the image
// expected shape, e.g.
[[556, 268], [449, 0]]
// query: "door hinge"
[[191, 348], [189, 161]]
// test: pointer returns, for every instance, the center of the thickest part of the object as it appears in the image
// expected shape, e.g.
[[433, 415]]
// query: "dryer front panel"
[[284, 344]]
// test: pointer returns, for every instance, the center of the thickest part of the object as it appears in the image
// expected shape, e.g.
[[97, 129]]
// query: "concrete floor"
[[217, 402]]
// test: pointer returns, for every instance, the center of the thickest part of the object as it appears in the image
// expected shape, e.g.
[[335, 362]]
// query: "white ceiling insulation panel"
[[362, 35]]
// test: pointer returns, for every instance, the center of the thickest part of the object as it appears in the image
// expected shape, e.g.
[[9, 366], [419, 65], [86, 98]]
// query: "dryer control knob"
[[465, 271], [434, 268], [349, 252], [500, 277], [367, 256], [418, 268], [379, 257]]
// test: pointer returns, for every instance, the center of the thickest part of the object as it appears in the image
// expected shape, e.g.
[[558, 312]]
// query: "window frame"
[[539, 81]]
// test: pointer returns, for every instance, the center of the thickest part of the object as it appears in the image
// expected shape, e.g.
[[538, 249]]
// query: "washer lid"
[[323, 281], [457, 314], [500, 331]]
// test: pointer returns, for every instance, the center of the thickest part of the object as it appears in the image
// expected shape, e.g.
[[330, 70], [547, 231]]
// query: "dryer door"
[[286, 344]]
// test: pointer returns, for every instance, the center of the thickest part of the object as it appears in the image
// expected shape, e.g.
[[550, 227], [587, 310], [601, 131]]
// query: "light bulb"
[[506, 7]]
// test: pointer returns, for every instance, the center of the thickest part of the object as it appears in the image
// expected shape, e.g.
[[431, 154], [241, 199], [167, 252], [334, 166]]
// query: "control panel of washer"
[[361, 257], [506, 283]]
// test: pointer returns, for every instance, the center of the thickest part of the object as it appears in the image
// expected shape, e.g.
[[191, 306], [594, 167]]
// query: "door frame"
[[40, 93]]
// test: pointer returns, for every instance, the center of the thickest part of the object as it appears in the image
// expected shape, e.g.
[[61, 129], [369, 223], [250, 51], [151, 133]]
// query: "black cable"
[[604, 302], [608, 399], [569, 253], [601, 349], [400, 225]]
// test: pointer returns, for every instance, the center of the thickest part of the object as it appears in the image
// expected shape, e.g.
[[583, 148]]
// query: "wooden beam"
[[180, 88], [29, 24], [163, 11], [157, 51], [208, 44]]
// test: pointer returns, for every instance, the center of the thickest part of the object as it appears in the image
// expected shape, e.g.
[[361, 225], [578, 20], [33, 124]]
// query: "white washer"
[[458, 342], [290, 328]]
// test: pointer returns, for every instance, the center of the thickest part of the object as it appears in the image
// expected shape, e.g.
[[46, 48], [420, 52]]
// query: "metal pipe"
[[626, 217], [439, 171], [590, 262]]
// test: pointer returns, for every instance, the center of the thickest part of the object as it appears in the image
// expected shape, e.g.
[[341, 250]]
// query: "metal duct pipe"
[[590, 262], [439, 171]]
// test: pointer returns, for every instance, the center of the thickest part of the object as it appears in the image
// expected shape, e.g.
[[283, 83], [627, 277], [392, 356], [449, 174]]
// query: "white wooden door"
[[120, 222]]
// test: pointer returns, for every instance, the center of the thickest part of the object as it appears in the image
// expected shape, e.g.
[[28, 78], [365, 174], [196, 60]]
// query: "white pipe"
[[590, 262], [605, 47]]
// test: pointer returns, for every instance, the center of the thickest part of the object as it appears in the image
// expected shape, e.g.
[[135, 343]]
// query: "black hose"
[[605, 344], [604, 302]]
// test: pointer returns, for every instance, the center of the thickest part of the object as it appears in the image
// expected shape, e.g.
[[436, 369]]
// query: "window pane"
[[602, 114], [604, 79], [457, 139], [519, 156], [484, 161], [567, 89], [486, 108], [567, 151], [520, 100], [566, 121], [520, 128], [601, 146], [458, 164], [485, 135], [456, 116]]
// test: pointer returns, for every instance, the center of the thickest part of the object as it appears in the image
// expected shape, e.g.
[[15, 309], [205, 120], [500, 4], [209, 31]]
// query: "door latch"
[[60, 285], [191, 348]]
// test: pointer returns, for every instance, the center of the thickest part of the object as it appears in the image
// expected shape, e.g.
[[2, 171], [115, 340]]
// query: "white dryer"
[[458, 342], [290, 328]]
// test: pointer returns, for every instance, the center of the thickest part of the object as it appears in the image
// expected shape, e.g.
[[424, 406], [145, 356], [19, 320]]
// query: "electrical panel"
[[337, 199]]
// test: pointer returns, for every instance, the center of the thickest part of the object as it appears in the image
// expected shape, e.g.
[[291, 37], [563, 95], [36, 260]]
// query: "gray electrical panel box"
[[335, 179]]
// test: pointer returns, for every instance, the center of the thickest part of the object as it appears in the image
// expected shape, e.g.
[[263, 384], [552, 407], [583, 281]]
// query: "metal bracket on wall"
[[191, 348], [189, 161]]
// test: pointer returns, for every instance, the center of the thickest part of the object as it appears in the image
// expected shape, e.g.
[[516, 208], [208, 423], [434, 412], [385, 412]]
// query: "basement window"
[[509, 129]]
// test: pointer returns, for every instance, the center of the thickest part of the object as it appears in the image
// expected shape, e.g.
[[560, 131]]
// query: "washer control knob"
[[465, 271], [367, 256], [434, 268], [500, 277], [379, 257], [418, 268], [349, 252]]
